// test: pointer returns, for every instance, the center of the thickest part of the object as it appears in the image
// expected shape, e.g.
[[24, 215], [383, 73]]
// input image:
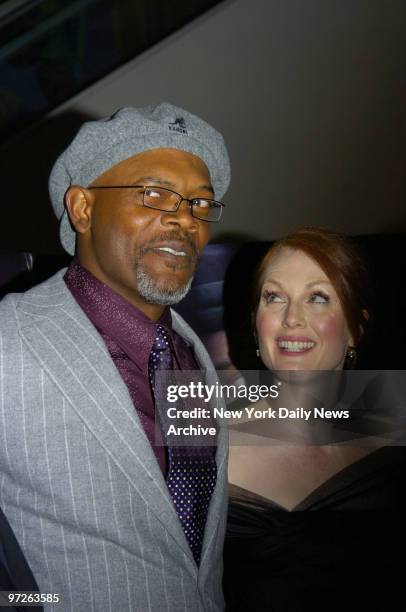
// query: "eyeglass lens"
[[164, 199]]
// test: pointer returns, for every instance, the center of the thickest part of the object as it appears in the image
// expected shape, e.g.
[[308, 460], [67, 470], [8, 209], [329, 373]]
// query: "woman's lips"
[[295, 345]]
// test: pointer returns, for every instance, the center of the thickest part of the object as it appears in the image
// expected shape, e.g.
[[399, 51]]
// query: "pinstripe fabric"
[[79, 482]]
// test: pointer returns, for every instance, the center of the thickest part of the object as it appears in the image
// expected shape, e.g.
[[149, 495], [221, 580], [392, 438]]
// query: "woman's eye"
[[319, 298], [270, 297]]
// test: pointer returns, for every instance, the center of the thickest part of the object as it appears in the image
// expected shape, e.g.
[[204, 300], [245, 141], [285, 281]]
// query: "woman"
[[313, 525]]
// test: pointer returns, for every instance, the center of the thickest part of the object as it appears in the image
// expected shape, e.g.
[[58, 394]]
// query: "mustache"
[[171, 235]]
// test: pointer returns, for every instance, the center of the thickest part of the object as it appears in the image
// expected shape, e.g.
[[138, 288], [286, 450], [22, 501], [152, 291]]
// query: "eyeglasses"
[[167, 200]]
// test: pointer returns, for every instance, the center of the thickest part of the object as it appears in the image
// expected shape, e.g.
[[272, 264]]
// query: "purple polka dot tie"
[[192, 471]]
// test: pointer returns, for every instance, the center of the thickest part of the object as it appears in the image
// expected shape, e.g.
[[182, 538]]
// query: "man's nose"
[[293, 315], [181, 217]]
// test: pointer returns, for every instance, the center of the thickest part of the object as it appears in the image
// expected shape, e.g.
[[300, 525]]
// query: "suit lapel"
[[219, 495], [74, 355]]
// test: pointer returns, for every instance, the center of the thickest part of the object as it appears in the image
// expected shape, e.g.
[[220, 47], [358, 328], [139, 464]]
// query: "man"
[[106, 517]]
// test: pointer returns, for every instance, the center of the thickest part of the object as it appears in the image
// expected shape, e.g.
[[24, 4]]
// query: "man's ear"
[[79, 204]]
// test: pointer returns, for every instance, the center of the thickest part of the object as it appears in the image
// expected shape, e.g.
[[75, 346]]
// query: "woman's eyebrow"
[[318, 282], [272, 280], [308, 285]]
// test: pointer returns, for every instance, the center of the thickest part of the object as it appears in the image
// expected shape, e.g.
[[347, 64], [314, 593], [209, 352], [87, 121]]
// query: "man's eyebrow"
[[154, 180], [207, 188]]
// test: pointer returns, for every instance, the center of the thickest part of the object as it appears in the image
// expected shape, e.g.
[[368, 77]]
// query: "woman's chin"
[[294, 362]]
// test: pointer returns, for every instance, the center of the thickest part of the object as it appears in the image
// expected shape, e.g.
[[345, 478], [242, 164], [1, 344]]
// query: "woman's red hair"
[[343, 265]]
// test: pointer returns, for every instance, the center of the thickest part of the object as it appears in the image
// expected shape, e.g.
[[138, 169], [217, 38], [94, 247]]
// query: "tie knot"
[[161, 339], [161, 354]]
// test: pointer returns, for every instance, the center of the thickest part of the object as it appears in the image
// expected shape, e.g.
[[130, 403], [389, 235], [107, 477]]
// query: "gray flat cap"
[[99, 145]]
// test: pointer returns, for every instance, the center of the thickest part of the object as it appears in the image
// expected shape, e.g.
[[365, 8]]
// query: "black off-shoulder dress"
[[343, 548]]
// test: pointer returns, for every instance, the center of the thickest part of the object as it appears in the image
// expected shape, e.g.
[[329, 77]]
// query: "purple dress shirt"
[[129, 335]]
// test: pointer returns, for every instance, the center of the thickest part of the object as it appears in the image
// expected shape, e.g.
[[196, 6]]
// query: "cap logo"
[[179, 125]]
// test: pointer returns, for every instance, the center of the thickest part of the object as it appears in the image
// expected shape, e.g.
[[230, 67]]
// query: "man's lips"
[[295, 344], [181, 249], [175, 248]]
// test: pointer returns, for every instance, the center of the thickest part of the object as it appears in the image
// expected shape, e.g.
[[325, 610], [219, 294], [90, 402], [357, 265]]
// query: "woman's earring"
[[351, 352], [258, 353]]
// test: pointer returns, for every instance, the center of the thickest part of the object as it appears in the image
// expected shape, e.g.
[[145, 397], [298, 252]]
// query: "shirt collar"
[[114, 316]]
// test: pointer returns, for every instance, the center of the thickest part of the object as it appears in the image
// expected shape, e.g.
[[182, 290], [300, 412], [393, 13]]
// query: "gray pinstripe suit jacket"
[[79, 482]]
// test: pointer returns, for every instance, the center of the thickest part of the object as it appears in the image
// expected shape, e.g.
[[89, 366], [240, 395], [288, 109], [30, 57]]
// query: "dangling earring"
[[351, 353], [257, 351]]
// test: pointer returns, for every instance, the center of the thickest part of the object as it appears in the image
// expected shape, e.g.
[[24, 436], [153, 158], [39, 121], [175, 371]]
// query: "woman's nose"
[[293, 316]]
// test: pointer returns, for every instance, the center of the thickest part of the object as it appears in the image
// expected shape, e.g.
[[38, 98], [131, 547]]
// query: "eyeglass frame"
[[182, 199]]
